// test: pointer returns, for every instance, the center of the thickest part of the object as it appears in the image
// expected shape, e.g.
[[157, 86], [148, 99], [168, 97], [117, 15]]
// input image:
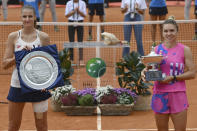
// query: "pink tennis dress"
[[171, 97]]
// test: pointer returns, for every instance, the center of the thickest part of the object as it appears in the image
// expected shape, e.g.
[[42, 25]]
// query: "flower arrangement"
[[84, 97], [61, 91], [110, 95], [69, 96]]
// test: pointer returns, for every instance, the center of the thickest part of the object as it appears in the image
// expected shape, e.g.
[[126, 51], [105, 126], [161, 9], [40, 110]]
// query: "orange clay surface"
[[59, 121]]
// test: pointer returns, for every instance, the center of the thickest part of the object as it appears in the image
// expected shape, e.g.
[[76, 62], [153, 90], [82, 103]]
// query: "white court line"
[[99, 119], [188, 129]]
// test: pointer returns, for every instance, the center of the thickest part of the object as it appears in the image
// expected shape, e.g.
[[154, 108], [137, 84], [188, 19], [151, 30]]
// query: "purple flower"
[[85, 91], [115, 96], [120, 91]]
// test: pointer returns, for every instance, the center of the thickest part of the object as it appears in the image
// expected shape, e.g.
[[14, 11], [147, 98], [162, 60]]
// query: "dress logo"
[[18, 46]]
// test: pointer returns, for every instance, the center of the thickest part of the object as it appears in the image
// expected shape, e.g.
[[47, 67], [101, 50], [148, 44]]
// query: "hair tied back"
[[171, 17]]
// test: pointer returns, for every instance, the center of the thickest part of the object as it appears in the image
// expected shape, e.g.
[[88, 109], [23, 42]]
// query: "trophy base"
[[153, 76]]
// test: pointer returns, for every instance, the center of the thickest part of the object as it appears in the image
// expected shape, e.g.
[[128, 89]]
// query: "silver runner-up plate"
[[38, 70]]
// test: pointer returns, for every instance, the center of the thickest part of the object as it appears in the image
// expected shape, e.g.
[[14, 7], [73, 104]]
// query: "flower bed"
[[112, 101], [81, 102], [115, 101], [57, 94], [79, 110], [116, 109], [110, 95]]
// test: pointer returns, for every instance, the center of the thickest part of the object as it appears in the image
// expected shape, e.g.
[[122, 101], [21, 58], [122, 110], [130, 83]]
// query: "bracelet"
[[174, 78]]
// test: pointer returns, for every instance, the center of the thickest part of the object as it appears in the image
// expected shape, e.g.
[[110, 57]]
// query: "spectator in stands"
[[52, 5], [25, 39], [4, 6], [76, 12], [133, 9], [187, 8], [169, 98], [157, 10], [106, 4], [35, 4], [98, 7], [0, 6], [195, 13]]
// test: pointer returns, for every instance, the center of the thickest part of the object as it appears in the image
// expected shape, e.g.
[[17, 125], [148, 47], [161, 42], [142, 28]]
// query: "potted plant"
[[66, 67], [67, 71], [57, 94], [81, 102], [115, 101], [128, 71]]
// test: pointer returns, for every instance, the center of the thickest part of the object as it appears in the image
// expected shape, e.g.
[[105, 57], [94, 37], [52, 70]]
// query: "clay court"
[[137, 120]]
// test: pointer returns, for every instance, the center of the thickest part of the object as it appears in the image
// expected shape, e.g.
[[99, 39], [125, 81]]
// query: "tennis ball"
[[96, 67]]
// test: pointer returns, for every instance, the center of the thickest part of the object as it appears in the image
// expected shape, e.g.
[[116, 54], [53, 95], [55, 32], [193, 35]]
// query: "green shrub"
[[86, 100]]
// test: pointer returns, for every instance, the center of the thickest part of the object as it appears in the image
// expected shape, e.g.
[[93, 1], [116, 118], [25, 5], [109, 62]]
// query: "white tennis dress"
[[15, 93], [20, 44]]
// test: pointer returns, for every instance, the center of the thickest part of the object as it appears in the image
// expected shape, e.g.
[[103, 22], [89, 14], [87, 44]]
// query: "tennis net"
[[58, 32]]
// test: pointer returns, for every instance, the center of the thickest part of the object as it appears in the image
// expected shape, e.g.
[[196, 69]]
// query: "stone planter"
[[55, 107], [116, 109], [79, 110], [143, 103]]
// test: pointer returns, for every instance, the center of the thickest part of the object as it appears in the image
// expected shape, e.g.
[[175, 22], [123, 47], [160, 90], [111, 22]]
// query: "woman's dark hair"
[[171, 20], [31, 8]]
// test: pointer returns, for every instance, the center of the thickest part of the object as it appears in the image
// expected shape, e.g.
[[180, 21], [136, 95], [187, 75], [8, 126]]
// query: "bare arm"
[[70, 13], [81, 13], [189, 73], [44, 38], [9, 58], [191, 70], [140, 11], [124, 10]]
